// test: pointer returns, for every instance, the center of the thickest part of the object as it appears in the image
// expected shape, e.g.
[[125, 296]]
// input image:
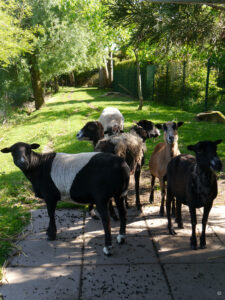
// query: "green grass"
[[56, 125]]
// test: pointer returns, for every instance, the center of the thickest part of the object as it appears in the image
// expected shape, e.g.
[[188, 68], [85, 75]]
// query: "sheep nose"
[[216, 164], [171, 139], [79, 134], [21, 163]]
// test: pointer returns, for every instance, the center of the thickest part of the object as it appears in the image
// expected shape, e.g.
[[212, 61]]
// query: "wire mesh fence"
[[180, 84]]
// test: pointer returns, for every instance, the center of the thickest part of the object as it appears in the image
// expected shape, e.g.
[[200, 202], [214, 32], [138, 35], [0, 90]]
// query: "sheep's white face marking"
[[155, 132], [65, 168]]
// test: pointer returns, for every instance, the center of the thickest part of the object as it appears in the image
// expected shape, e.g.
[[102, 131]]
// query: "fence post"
[[207, 85]]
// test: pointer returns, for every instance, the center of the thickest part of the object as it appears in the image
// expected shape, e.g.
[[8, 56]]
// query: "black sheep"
[[193, 182], [85, 178]]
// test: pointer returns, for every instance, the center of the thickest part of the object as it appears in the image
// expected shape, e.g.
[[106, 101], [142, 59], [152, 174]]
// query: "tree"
[[14, 39], [70, 35]]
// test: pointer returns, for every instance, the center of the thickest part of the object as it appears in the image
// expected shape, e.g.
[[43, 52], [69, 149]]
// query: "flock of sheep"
[[100, 176]]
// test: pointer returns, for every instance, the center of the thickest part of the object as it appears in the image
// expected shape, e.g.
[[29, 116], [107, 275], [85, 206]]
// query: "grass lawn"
[[55, 127]]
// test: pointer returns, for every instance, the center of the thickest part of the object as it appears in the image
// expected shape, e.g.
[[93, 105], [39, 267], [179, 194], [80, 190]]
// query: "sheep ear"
[[159, 126], [34, 146], [218, 142], [179, 124], [191, 147], [6, 150], [164, 127]]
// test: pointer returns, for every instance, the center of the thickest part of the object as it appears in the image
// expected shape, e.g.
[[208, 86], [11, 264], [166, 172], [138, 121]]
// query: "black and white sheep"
[[193, 182], [84, 177], [112, 120], [131, 146]]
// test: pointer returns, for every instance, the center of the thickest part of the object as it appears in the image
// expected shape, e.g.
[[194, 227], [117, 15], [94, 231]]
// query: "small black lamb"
[[193, 182], [85, 177]]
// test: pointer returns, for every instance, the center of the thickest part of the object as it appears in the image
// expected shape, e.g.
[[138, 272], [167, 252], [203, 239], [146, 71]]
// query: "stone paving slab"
[[158, 225], [64, 219], [176, 249], [58, 283], [150, 265], [48, 253], [135, 250], [196, 281], [135, 282]]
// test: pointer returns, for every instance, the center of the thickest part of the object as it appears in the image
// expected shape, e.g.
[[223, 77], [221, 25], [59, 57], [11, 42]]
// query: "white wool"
[[65, 168], [111, 116]]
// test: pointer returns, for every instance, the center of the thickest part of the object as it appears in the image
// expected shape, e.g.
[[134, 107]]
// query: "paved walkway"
[[150, 265]]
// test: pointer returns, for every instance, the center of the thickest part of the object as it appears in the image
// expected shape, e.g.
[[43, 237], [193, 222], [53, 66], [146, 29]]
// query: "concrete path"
[[150, 265]]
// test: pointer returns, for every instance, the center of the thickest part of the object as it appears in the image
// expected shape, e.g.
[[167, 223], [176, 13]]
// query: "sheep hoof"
[[193, 247], [138, 206], [120, 239], [107, 250], [180, 225], [172, 231], [161, 213], [93, 215], [51, 237], [115, 218]]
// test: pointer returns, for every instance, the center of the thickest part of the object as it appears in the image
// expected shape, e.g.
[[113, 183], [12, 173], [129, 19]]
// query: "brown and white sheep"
[[160, 158]]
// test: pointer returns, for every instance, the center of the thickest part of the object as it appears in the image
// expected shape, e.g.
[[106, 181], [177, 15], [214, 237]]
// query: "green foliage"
[[14, 38]]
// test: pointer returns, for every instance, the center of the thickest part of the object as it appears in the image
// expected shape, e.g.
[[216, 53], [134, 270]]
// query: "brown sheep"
[[160, 158]]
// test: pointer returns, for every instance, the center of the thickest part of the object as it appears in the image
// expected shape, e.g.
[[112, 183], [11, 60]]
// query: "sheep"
[[160, 158], [131, 145], [193, 182], [84, 177], [112, 120]]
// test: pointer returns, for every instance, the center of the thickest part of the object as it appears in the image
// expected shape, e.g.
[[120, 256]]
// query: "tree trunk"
[[36, 81], [140, 97], [207, 85], [72, 79], [104, 75], [184, 82], [55, 85], [110, 67]]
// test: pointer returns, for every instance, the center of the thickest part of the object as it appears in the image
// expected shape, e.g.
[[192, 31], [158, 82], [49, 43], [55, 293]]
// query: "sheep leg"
[[168, 210], [178, 213], [51, 230], [163, 192], [123, 219], [193, 239], [103, 210], [137, 181], [204, 223], [126, 202], [91, 212], [173, 208], [151, 197], [112, 211]]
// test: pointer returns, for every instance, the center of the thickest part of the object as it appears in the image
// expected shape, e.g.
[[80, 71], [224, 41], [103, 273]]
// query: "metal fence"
[[181, 84]]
